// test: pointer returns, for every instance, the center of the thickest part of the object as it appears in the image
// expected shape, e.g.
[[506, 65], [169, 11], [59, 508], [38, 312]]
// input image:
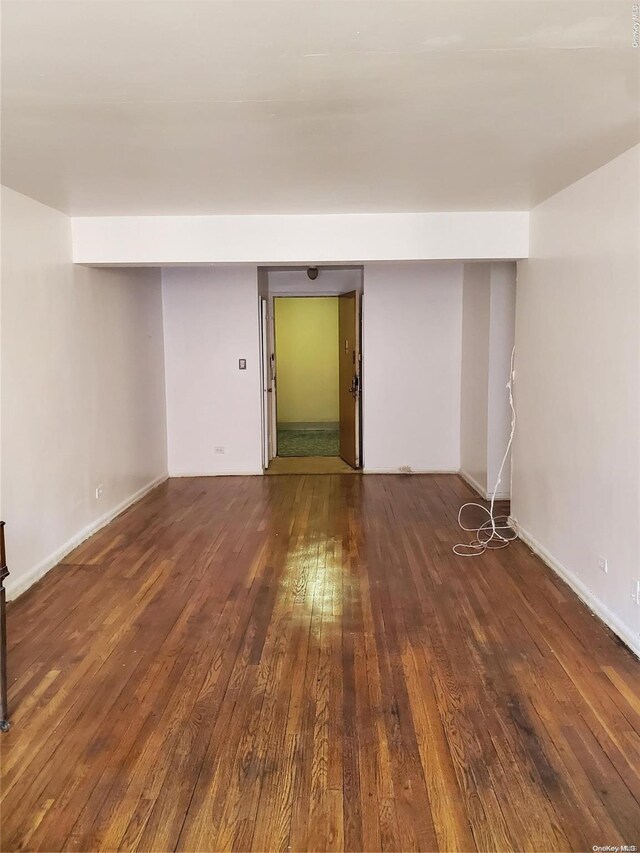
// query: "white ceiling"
[[312, 106]]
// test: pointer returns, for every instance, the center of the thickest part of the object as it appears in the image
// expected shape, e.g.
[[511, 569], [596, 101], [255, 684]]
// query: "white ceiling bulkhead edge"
[[286, 239]]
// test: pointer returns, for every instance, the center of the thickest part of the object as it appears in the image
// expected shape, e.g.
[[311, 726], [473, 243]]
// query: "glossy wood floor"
[[276, 663]]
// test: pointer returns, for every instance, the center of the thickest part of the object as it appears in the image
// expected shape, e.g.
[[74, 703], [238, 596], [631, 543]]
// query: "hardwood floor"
[[301, 663]]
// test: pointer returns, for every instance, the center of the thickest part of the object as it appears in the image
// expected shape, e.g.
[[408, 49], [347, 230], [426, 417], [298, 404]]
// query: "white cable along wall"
[[495, 532]]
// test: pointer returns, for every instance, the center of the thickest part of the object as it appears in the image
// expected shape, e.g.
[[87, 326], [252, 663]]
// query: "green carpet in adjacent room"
[[308, 442]]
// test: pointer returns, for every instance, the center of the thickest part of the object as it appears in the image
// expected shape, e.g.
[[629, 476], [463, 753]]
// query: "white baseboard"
[[594, 604], [475, 485], [314, 426], [503, 495], [15, 586], [411, 471]]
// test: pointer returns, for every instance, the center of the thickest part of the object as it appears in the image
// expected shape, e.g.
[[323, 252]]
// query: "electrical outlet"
[[218, 450], [603, 564], [99, 490], [635, 591]]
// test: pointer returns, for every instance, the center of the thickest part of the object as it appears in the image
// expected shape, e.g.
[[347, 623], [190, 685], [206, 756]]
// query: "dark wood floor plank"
[[300, 663]]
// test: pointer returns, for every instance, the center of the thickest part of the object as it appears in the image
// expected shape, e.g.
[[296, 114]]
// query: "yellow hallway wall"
[[307, 359]]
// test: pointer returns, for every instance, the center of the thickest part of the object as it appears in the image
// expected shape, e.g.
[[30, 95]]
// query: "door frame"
[[353, 401], [265, 386], [272, 293]]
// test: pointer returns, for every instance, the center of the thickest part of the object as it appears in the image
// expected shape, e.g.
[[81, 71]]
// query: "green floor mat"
[[308, 442]]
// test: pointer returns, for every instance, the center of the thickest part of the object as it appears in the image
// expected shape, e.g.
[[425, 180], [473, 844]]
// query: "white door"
[[264, 372], [273, 390]]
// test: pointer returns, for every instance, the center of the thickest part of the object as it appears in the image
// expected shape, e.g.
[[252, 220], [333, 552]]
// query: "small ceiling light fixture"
[[312, 273]]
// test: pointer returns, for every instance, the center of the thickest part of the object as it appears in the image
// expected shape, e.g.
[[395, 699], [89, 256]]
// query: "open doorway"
[[312, 372], [307, 370]]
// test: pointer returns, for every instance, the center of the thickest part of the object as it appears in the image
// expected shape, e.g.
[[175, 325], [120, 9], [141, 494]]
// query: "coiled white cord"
[[492, 533]]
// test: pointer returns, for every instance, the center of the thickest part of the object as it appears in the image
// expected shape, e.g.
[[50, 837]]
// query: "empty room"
[[320, 425]]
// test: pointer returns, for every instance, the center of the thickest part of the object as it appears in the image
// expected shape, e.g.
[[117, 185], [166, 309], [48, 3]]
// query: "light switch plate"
[[242, 364]]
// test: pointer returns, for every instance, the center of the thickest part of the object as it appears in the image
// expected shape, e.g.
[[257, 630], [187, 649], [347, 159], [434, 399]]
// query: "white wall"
[[576, 477], [476, 305], [502, 335], [339, 238], [488, 329], [82, 389], [412, 317], [210, 321], [330, 282]]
